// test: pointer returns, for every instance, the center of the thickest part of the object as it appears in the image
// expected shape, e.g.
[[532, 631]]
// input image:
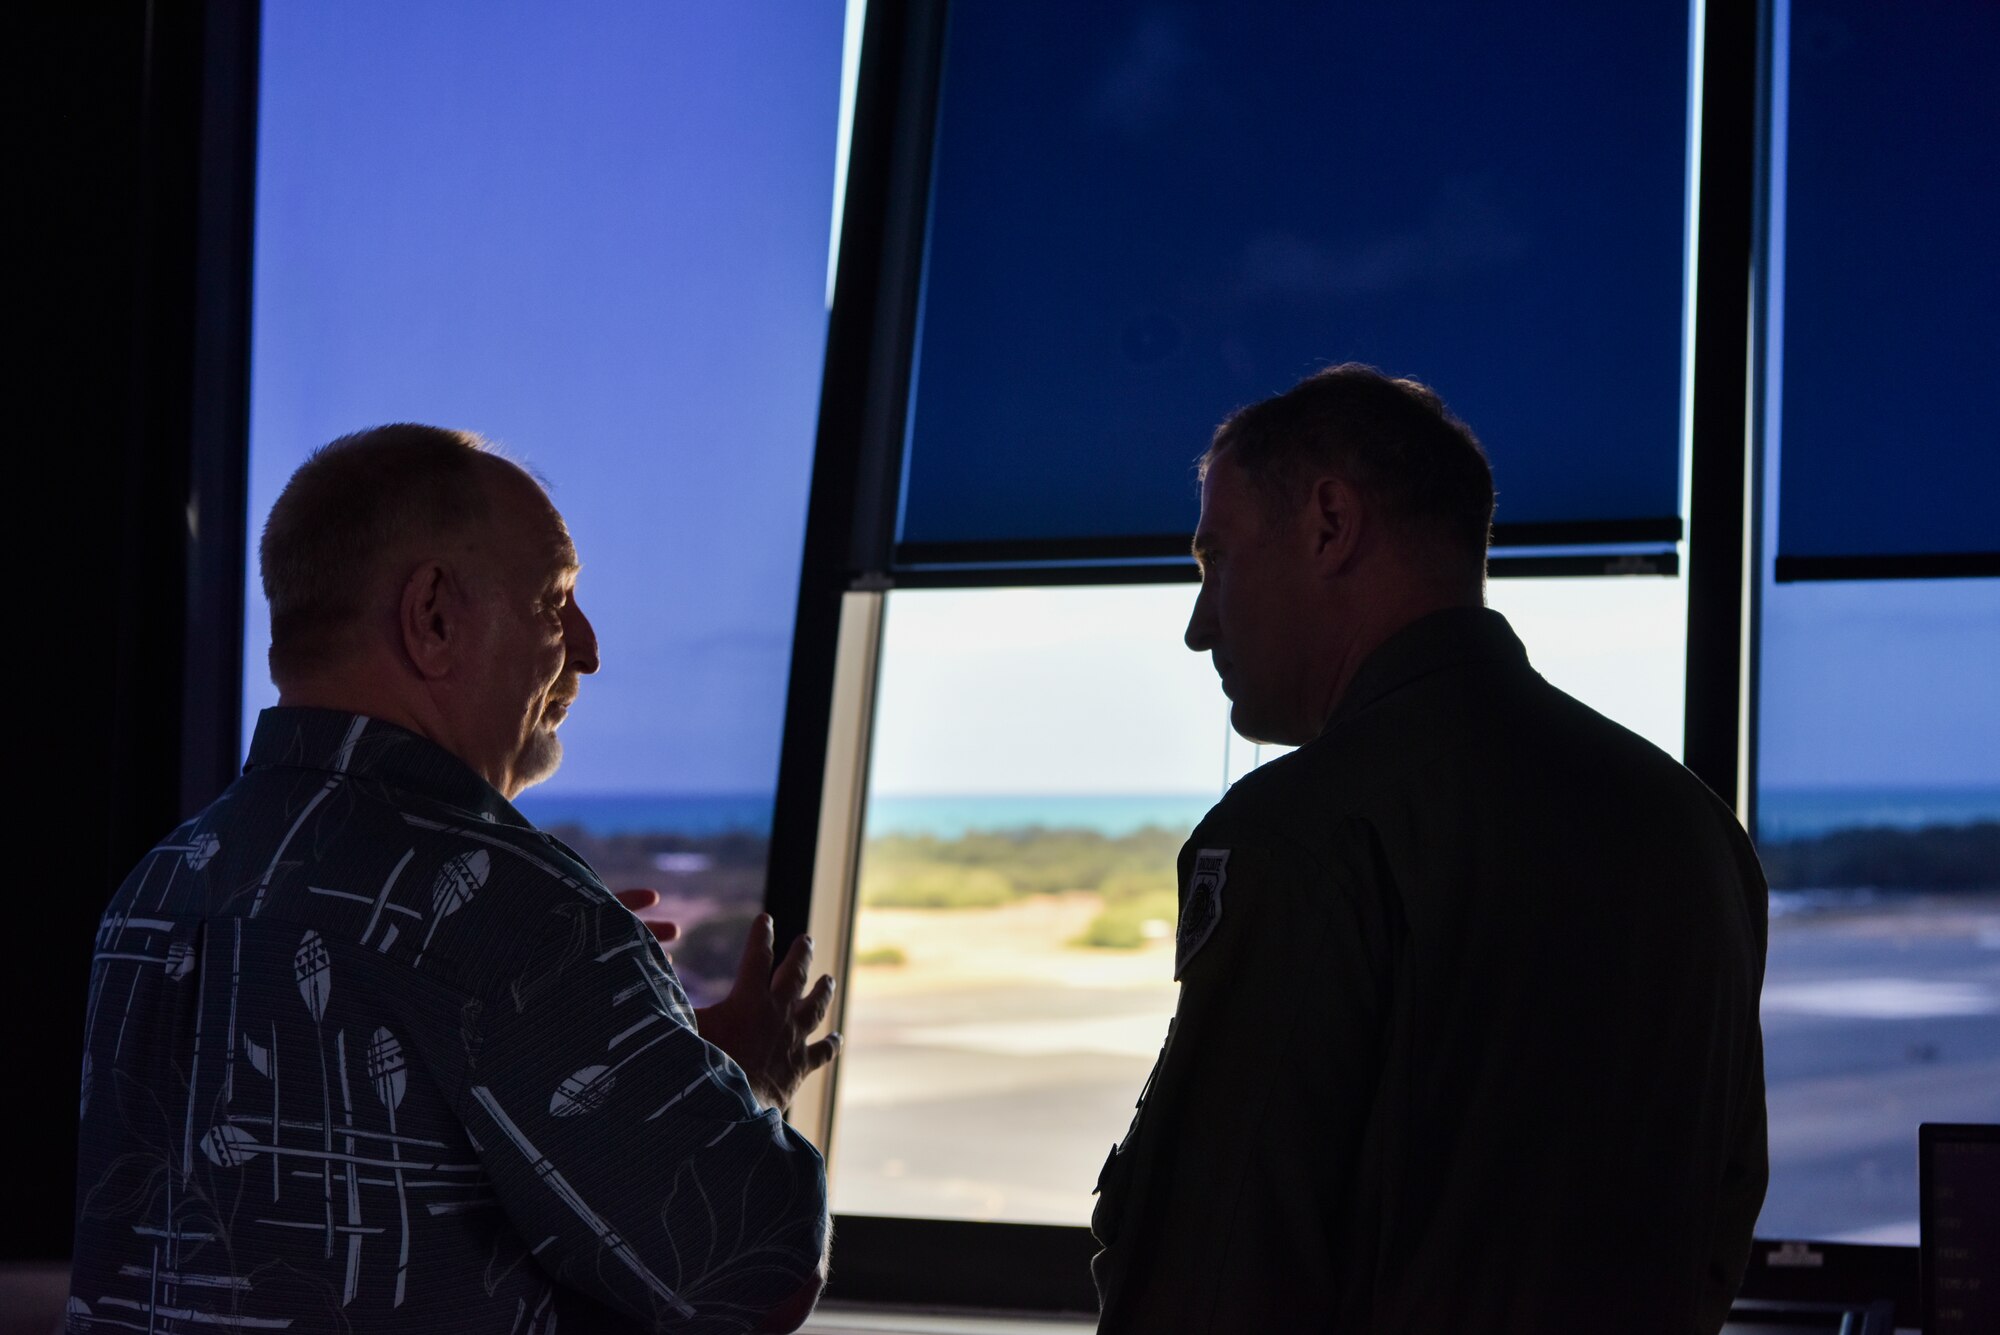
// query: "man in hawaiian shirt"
[[366, 1049]]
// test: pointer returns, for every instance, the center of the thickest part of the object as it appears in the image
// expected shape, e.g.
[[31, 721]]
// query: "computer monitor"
[[1958, 1181]]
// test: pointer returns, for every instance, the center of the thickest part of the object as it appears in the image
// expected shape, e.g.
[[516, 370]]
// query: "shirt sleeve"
[[1223, 1206], [627, 1150]]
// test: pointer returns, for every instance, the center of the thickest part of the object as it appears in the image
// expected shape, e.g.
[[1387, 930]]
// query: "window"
[[601, 240], [1144, 216], [1878, 739], [1888, 298], [1039, 756], [1617, 644], [1135, 219], [604, 244], [1879, 828]]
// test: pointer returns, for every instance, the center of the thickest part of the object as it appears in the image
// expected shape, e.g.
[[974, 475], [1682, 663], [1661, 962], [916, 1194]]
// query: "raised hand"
[[764, 1022], [666, 932]]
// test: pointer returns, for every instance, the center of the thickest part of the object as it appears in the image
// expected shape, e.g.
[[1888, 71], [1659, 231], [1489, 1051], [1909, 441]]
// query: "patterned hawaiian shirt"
[[368, 1051]]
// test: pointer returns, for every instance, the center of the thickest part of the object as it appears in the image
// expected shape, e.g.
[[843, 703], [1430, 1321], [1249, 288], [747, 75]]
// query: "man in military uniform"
[[1467, 1038]]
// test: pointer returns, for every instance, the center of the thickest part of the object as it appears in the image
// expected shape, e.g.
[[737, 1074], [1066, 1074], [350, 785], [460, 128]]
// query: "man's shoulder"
[[411, 880], [478, 897], [1450, 753], [1276, 866], [1605, 769], [1292, 826], [1497, 726], [1307, 802]]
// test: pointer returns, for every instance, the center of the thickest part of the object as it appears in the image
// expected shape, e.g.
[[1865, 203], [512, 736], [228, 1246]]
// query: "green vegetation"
[[882, 957], [936, 886], [987, 868], [1134, 874], [1937, 857], [1138, 907]]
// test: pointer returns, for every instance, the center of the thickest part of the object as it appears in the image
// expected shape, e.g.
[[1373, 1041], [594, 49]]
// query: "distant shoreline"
[[1785, 814]]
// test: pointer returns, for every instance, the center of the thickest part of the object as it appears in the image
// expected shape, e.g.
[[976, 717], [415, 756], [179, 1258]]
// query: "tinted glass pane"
[[1619, 645], [1038, 757], [598, 236], [1878, 747], [1879, 827], [1146, 215], [1891, 297]]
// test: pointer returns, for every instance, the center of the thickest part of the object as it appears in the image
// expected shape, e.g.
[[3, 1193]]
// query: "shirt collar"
[[343, 743], [1447, 639]]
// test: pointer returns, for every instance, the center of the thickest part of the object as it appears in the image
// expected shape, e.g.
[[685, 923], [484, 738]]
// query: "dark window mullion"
[[1718, 494], [863, 398]]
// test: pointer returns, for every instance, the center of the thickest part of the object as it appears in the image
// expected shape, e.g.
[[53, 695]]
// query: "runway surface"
[[998, 1099]]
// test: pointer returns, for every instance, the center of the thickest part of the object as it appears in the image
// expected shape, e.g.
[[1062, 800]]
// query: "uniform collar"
[[1447, 639], [341, 743]]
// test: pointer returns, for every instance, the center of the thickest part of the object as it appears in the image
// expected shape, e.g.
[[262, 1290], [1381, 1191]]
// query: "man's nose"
[[579, 638], [1200, 635]]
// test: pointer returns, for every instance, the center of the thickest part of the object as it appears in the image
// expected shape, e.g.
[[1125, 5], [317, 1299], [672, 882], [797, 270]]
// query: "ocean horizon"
[[1783, 813]]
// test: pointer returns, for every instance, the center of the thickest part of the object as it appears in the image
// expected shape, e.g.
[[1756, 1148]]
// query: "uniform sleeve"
[[627, 1151], [1222, 1209]]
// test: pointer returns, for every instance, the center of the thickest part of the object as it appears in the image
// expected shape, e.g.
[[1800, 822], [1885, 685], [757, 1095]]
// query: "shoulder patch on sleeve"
[[1201, 909]]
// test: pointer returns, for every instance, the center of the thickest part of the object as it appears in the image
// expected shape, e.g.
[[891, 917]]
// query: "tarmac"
[[988, 1078]]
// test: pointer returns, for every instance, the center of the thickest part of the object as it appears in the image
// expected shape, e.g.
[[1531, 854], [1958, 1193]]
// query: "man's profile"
[[368, 1051], [1468, 1034]]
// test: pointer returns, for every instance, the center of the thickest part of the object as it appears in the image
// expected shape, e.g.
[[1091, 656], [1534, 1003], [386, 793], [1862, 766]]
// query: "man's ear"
[[1338, 518], [431, 618]]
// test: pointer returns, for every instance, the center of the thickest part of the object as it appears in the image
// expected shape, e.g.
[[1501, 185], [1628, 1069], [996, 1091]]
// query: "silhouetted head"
[[1331, 517], [418, 577]]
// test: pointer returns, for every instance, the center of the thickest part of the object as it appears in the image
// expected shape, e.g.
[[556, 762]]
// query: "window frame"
[[191, 381], [853, 560], [850, 559], [851, 547], [1774, 183]]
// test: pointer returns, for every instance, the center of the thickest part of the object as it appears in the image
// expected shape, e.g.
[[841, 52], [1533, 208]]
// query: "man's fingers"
[[811, 1012], [820, 1053], [755, 968], [639, 899], [790, 980]]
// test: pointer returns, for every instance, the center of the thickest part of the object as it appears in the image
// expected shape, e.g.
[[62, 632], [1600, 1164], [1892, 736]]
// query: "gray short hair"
[[353, 503]]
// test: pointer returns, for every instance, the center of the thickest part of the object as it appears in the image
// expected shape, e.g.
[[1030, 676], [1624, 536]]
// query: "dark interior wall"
[[101, 458], [78, 323]]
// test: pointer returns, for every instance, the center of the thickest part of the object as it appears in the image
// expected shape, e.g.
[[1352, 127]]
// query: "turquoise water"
[[950, 817], [650, 813], [1785, 813], [945, 817], [1797, 813]]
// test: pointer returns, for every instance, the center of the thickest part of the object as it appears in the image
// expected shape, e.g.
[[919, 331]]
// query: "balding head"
[[416, 577], [355, 512]]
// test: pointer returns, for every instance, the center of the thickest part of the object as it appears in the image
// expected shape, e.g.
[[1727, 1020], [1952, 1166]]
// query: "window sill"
[[836, 1318]]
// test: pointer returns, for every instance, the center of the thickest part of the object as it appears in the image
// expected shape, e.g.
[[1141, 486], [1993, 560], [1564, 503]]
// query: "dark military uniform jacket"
[[1467, 1038]]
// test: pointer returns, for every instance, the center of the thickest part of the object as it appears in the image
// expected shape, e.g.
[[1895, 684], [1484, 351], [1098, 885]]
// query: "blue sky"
[[602, 243], [599, 236], [1887, 683]]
